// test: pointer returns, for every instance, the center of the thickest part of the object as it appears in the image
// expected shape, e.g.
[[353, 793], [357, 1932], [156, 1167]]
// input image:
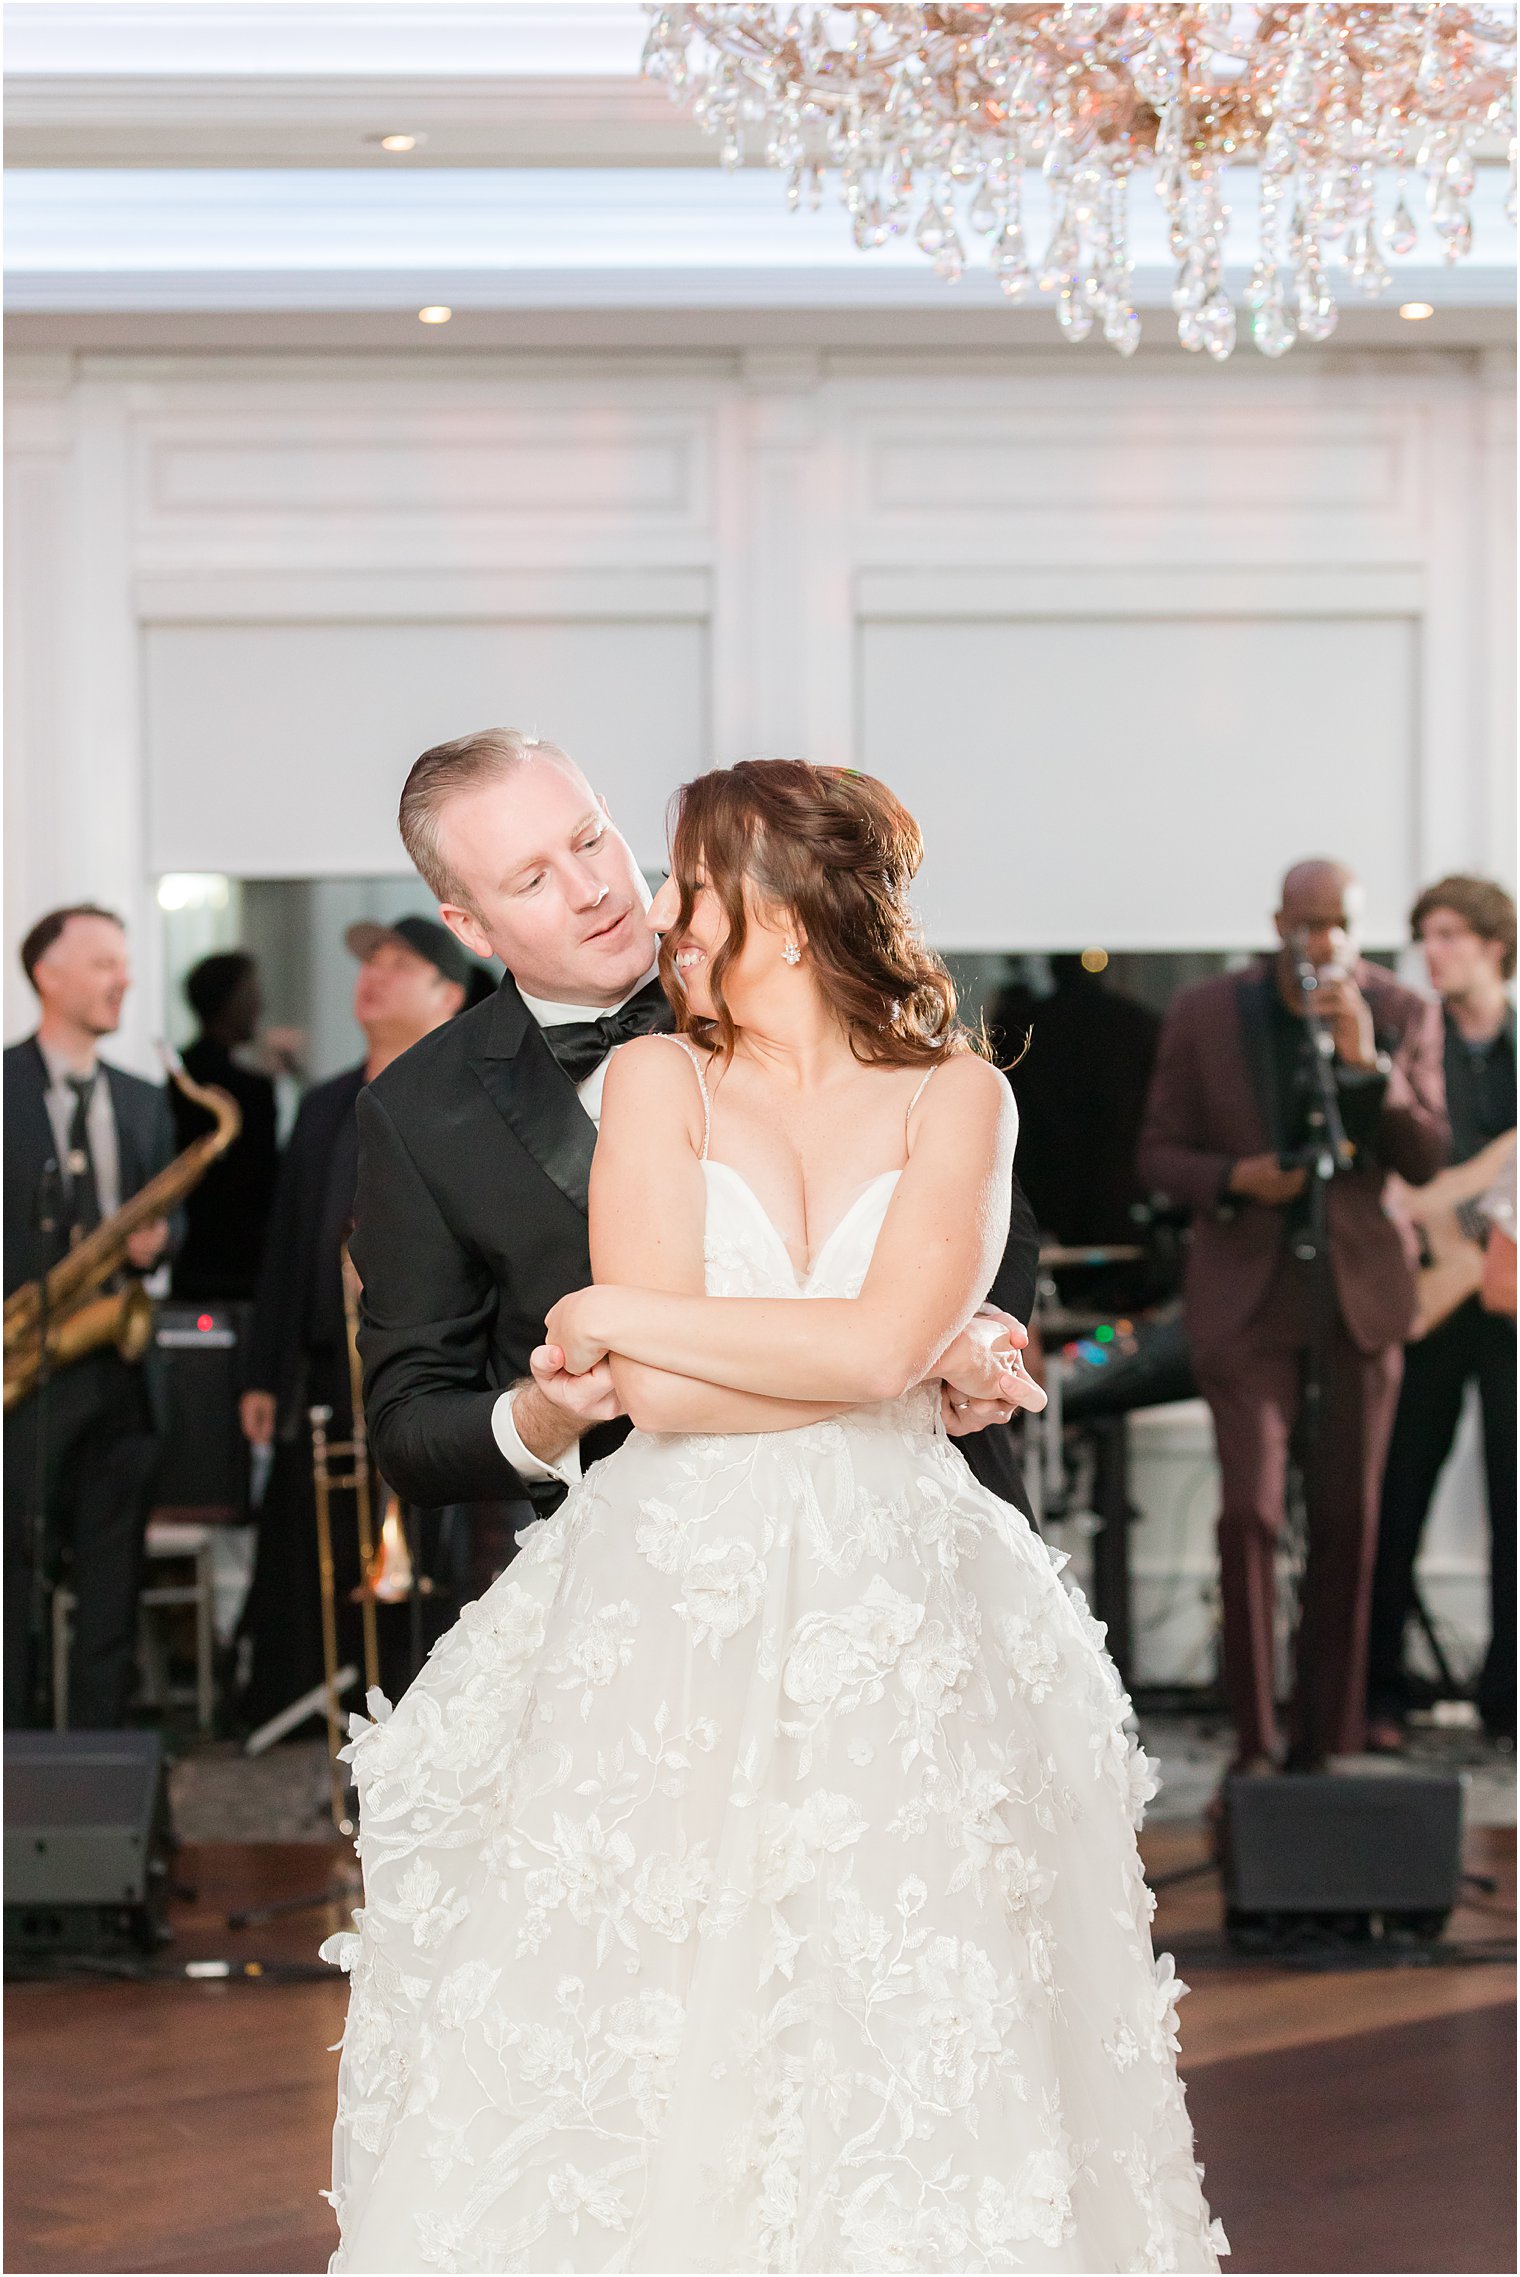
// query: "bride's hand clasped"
[[573, 1326]]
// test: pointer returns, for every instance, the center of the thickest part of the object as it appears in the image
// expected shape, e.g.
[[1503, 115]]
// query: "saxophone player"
[[81, 1138]]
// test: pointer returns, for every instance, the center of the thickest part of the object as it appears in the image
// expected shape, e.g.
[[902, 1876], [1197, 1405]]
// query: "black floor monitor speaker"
[[1368, 1850], [87, 1843]]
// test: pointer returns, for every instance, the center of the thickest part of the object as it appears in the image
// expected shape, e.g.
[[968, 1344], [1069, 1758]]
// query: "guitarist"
[[1466, 927]]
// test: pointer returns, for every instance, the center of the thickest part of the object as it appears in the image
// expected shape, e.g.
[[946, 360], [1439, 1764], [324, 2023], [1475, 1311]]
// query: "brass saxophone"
[[82, 1315]]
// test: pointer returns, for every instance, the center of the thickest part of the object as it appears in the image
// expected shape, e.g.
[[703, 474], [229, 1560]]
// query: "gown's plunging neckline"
[[804, 1279]]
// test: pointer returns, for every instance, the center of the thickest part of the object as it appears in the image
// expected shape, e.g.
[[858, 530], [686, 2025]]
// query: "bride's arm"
[[648, 1211], [934, 1262]]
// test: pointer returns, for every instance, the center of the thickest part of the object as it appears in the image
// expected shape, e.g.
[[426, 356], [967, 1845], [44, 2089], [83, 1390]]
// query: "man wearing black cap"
[[413, 977]]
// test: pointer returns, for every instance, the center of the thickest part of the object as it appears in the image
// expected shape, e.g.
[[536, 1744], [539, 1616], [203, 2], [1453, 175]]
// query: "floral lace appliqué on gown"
[[751, 1883]]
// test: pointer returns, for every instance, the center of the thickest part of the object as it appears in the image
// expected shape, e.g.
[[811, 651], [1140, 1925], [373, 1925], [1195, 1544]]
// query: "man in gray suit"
[[81, 1137]]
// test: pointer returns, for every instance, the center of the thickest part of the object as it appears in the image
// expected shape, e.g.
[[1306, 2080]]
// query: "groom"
[[475, 1146]]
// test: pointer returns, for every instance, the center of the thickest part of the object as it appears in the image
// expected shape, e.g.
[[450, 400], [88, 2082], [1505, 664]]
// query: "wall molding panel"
[[1063, 591], [343, 596], [540, 467], [1158, 461]]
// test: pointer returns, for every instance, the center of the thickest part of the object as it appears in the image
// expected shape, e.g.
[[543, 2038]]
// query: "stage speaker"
[[88, 1843], [203, 1467], [1357, 1850]]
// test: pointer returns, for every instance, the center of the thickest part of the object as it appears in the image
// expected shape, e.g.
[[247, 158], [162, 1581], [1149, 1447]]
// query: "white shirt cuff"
[[528, 1466]]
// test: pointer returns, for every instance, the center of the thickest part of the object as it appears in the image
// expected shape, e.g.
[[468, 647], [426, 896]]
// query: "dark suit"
[[298, 1306], [297, 1349], [1214, 1099], [101, 1446], [226, 1213], [474, 1169]]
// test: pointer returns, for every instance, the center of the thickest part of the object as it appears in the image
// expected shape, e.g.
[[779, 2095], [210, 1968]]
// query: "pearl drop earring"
[[791, 954]]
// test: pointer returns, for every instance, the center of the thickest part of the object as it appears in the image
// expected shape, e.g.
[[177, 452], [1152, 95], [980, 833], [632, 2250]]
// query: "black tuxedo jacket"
[[474, 1169], [144, 1145], [299, 1304]]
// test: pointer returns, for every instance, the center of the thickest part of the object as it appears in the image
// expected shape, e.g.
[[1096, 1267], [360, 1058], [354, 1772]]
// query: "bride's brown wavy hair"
[[837, 851]]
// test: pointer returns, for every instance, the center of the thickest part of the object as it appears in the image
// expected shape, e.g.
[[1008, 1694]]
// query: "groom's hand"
[[587, 1399], [984, 1377], [553, 1410]]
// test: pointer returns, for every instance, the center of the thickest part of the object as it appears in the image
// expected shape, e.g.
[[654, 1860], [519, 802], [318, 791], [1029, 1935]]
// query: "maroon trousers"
[[1255, 1391]]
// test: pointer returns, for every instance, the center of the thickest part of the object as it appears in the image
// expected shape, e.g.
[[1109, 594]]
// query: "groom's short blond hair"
[[441, 774]]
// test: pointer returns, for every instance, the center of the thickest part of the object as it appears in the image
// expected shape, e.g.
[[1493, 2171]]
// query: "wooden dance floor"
[[1347, 2121]]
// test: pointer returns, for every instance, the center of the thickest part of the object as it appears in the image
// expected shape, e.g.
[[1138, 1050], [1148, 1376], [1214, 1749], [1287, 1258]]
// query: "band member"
[[1233, 1111], [226, 1214], [413, 977], [475, 1151], [81, 1138], [1466, 927], [1081, 1086]]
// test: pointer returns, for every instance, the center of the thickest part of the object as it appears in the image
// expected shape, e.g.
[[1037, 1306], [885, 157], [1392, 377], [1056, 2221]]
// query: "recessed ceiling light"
[[1416, 311], [398, 141], [437, 315]]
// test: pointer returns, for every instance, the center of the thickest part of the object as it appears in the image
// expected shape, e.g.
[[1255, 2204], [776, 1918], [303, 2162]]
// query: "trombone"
[[387, 1574]]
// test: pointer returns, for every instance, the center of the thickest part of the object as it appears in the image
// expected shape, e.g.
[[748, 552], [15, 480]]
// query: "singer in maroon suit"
[[1230, 1095]]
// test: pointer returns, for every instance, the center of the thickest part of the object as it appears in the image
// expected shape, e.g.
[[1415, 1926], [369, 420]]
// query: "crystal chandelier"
[[931, 117]]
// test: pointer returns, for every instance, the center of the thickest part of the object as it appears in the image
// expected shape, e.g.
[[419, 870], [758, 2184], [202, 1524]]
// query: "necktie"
[[84, 1195], [580, 1046]]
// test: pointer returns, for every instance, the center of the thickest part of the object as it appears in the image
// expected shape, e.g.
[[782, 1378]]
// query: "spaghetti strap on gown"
[[750, 1878]]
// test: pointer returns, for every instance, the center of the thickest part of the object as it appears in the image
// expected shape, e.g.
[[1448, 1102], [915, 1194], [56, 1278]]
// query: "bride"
[[750, 1876]]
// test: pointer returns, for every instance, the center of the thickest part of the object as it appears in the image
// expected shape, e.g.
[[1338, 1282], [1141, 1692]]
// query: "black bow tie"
[[580, 1046]]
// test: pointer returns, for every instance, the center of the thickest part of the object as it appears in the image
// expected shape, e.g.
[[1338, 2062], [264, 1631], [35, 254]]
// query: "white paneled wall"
[[251, 725], [1100, 756], [1128, 638]]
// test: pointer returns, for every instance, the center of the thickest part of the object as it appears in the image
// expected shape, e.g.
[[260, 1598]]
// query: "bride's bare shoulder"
[[968, 1087], [654, 1079], [966, 1076]]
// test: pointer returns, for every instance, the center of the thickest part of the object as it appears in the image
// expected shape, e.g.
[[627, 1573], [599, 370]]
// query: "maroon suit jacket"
[[1213, 1100]]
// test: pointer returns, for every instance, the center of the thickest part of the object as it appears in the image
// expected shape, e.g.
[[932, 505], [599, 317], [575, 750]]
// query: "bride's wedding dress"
[[750, 1879]]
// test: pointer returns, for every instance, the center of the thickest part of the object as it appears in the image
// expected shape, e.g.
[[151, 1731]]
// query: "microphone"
[[1310, 979], [1333, 1150]]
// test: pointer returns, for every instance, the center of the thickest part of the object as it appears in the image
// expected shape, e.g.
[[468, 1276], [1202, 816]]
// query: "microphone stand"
[[47, 1220], [1328, 1155]]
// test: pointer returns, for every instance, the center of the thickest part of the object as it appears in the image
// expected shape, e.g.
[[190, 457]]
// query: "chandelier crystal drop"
[[932, 117]]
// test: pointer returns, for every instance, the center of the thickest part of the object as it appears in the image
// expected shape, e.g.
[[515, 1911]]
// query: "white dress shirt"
[[567, 1469], [100, 1124]]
